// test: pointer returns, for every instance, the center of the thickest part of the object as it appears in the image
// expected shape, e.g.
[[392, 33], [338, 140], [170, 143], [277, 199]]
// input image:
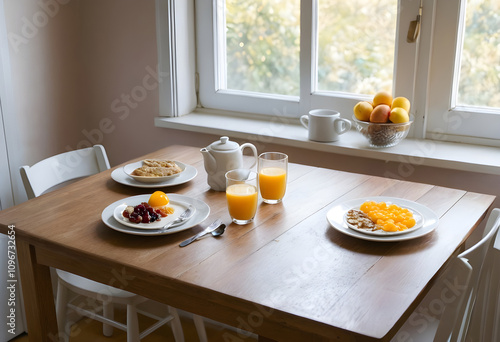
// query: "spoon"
[[219, 231]]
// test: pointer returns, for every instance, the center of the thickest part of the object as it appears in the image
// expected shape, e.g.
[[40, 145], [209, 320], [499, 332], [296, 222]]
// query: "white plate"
[[178, 207], [335, 217], [121, 177], [129, 168], [202, 212], [419, 222]]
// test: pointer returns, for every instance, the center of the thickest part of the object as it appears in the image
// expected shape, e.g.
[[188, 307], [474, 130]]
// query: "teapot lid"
[[224, 145]]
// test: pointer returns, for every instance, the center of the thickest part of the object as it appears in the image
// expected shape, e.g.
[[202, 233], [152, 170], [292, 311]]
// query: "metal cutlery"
[[207, 230], [184, 216], [219, 231]]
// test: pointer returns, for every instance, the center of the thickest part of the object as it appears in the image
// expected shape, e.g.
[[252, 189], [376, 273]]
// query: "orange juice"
[[272, 183], [242, 201]]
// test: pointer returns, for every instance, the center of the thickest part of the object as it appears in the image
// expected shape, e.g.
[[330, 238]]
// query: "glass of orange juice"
[[273, 170], [242, 195]]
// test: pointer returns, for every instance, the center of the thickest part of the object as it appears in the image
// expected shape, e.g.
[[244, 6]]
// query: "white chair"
[[58, 170], [485, 321], [63, 168], [445, 312]]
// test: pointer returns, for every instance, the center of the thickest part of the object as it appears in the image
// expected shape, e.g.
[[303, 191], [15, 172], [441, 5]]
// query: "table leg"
[[38, 295]]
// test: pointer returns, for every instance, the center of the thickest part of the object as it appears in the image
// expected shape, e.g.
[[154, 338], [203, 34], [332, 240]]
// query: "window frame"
[[446, 120], [175, 29], [228, 100], [434, 116]]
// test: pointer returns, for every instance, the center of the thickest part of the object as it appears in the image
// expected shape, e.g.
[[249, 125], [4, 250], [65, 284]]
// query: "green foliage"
[[263, 45], [355, 48], [356, 45], [480, 61]]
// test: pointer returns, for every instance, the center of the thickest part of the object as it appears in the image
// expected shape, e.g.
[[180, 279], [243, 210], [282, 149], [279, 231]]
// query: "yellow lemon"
[[158, 199], [362, 111], [399, 115], [401, 102], [382, 98]]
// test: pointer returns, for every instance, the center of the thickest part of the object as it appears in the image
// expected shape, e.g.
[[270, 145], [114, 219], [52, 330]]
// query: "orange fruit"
[[382, 97], [158, 199], [362, 111], [380, 114], [401, 102]]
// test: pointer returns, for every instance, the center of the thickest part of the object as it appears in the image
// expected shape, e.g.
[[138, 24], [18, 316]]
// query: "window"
[[260, 52], [278, 57], [355, 42], [455, 109], [324, 46], [479, 81], [464, 77], [259, 46]]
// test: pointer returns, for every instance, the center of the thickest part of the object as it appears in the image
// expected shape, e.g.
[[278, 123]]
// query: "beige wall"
[[86, 78], [44, 53], [83, 73], [119, 39]]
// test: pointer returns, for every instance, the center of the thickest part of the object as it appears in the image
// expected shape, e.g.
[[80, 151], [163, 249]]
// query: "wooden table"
[[289, 276]]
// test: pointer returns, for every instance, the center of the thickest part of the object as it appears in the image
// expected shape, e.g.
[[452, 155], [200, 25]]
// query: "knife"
[[207, 230]]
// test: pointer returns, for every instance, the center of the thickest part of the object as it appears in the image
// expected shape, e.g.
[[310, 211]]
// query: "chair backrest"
[[62, 168], [485, 321], [465, 278]]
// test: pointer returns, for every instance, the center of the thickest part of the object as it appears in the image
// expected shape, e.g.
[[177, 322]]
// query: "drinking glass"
[[242, 195], [273, 169]]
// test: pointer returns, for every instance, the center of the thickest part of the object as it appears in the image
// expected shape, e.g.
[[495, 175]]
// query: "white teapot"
[[221, 156]]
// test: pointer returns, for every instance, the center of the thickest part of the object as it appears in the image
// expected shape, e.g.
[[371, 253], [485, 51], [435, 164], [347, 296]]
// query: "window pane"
[[356, 44], [480, 62], [262, 46]]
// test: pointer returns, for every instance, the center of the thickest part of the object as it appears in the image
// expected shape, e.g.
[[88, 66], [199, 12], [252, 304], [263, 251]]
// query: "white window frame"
[[447, 121], [175, 29], [212, 97], [428, 64]]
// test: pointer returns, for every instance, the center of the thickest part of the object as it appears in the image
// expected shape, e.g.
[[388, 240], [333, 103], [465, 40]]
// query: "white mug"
[[325, 125]]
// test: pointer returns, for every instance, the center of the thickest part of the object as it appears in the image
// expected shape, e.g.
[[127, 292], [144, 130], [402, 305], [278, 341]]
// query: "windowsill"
[[286, 131]]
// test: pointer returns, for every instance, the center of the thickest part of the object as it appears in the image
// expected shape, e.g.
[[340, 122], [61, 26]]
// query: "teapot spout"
[[209, 161]]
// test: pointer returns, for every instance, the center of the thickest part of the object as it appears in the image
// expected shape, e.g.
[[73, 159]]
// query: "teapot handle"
[[254, 150]]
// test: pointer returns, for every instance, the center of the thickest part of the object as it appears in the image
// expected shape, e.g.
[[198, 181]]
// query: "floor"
[[89, 330]]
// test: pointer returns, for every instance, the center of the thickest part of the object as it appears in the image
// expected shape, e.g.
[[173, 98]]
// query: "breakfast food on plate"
[[158, 200], [153, 210], [360, 220], [157, 168], [381, 216]]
